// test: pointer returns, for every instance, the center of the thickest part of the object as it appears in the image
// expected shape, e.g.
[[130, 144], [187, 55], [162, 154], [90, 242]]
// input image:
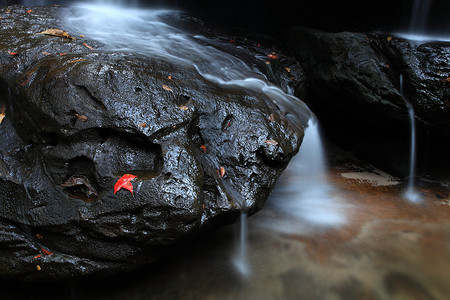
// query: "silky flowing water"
[[410, 192]]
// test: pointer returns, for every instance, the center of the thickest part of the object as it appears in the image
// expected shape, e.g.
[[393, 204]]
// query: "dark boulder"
[[354, 88], [75, 122]]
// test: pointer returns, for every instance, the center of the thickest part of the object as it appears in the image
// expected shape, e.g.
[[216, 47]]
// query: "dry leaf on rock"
[[58, 33]]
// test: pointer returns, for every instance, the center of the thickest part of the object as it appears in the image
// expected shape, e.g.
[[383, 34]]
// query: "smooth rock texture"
[[76, 119]]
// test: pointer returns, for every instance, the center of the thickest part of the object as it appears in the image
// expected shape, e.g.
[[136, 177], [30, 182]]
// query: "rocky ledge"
[[354, 86], [75, 119]]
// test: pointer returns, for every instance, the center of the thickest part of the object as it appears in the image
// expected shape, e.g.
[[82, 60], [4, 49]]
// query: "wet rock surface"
[[77, 118], [354, 87]]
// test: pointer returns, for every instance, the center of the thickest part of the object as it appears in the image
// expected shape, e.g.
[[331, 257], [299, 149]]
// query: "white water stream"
[[411, 194]]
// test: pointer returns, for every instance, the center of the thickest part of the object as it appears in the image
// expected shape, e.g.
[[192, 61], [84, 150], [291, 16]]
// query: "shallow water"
[[387, 248]]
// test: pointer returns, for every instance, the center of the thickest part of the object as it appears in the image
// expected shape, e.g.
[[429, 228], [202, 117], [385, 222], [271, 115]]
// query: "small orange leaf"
[[272, 56], [88, 46], [183, 107], [170, 77], [38, 236], [46, 252], [46, 53], [166, 88], [447, 79], [29, 11], [203, 147], [222, 171], [267, 62], [13, 53], [76, 60], [37, 256], [2, 113], [82, 118], [271, 142], [143, 125], [38, 267], [62, 54], [271, 118], [81, 35], [389, 38], [287, 69]]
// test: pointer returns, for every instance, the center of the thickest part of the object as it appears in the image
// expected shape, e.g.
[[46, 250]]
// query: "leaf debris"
[[58, 33], [167, 88]]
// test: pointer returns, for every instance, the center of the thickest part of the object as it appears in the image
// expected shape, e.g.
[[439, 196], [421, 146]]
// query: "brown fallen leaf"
[[81, 35], [143, 125], [58, 33], [82, 118], [170, 77], [389, 38], [88, 46], [183, 107], [76, 60], [63, 53], [267, 62], [272, 56], [37, 256], [46, 53], [287, 69], [271, 118], [203, 147], [25, 82], [38, 267], [2, 113], [447, 79], [271, 142], [166, 88], [13, 53], [80, 180], [38, 236]]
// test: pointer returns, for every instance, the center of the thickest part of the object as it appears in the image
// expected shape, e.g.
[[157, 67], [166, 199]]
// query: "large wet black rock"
[[76, 119], [354, 88]]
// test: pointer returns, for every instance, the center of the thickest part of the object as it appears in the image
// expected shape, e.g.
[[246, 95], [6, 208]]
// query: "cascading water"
[[144, 32], [418, 26], [410, 193], [303, 194]]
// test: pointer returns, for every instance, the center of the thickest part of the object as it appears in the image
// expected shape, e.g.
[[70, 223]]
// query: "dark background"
[[271, 15]]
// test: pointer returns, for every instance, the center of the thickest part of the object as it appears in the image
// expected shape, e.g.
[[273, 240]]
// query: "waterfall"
[[410, 193], [303, 198], [418, 30], [419, 16]]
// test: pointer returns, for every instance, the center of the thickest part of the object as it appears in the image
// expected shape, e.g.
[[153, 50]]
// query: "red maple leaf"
[[124, 182]]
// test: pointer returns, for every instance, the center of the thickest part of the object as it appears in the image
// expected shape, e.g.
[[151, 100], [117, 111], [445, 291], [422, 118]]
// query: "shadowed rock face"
[[75, 122], [354, 87]]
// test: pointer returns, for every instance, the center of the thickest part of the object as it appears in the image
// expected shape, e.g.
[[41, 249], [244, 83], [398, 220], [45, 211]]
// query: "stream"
[[335, 227]]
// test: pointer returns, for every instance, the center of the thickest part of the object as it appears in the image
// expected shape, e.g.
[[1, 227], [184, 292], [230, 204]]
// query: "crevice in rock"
[[81, 179], [81, 89]]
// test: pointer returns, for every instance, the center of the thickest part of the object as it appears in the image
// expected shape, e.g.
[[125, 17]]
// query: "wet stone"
[[75, 122]]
